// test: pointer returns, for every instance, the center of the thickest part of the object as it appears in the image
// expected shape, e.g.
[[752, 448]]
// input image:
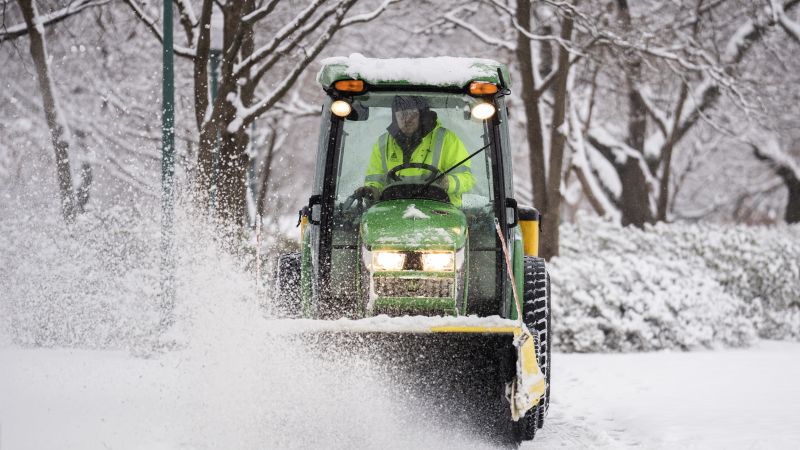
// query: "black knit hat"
[[404, 102]]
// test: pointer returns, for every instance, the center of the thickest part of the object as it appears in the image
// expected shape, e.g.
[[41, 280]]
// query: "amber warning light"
[[482, 88], [349, 85]]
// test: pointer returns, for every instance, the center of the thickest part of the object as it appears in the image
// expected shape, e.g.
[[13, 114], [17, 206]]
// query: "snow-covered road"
[[238, 398], [726, 399]]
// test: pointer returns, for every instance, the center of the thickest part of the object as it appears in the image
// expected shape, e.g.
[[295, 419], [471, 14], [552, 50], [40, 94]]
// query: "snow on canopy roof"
[[442, 71]]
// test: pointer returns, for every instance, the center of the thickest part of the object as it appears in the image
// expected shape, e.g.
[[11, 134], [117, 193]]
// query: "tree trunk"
[[792, 214], [530, 101], [208, 130], [232, 181], [205, 162], [790, 178], [266, 173], [634, 201], [558, 140], [59, 134]]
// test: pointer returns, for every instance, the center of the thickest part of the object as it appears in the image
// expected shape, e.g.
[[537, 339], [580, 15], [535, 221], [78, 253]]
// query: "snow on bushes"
[[96, 283], [674, 286]]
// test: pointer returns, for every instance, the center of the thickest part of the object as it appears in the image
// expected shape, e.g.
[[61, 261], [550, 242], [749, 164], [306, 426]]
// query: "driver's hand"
[[369, 192], [444, 182]]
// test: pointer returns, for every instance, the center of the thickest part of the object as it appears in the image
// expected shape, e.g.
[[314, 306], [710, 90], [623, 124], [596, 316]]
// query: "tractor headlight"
[[483, 111], [388, 261], [341, 108], [438, 262]]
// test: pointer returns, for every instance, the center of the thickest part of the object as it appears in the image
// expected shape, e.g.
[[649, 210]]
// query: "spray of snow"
[[79, 325]]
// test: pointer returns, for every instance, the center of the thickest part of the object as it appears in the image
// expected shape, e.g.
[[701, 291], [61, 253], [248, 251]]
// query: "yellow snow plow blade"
[[437, 345], [528, 386]]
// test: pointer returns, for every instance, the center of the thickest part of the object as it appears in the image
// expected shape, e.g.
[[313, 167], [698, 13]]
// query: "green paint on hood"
[[413, 225]]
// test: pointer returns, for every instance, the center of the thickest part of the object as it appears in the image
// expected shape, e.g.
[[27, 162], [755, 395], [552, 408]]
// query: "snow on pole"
[[215, 57]]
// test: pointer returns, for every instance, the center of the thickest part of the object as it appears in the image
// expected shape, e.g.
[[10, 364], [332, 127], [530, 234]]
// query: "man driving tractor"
[[416, 136]]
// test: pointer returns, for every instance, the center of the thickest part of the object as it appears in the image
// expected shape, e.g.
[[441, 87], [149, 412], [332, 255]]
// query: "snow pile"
[[437, 71], [674, 286]]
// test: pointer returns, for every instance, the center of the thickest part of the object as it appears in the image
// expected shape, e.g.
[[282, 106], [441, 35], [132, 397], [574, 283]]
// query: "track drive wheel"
[[287, 285]]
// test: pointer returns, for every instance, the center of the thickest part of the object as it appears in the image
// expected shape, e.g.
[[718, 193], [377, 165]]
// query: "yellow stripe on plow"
[[474, 329]]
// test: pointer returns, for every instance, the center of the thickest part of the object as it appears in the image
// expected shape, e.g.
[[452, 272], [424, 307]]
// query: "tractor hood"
[[413, 224]]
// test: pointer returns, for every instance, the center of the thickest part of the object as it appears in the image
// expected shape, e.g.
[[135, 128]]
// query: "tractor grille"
[[413, 287]]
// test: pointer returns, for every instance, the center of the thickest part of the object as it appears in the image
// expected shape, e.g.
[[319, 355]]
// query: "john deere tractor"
[[429, 272]]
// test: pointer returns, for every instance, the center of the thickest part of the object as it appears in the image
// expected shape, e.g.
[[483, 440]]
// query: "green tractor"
[[412, 241]]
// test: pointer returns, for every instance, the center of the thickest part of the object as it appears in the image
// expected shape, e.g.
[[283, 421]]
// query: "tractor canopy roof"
[[439, 71]]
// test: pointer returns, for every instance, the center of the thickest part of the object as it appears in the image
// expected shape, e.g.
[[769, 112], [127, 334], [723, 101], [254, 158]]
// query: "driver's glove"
[[443, 182], [369, 192]]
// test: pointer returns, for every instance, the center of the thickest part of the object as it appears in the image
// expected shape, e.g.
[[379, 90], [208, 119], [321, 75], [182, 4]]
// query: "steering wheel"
[[393, 176]]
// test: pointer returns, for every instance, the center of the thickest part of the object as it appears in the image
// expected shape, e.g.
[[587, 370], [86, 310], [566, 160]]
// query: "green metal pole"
[[167, 173], [215, 56]]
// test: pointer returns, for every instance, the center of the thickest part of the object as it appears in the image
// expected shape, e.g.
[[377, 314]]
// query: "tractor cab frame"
[[459, 254], [338, 283]]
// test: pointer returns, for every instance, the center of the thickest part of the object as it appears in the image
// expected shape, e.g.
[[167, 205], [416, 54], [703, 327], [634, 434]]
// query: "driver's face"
[[407, 120]]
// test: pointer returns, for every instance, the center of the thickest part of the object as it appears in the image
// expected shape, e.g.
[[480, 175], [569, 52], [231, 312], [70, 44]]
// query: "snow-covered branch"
[[707, 92], [52, 18], [720, 202], [260, 13], [583, 170], [618, 153], [297, 107], [298, 29], [491, 40], [152, 25], [781, 163], [366, 17], [275, 56], [791, 27], [245, 115], [655, 113], [188, 20], [287, 30]]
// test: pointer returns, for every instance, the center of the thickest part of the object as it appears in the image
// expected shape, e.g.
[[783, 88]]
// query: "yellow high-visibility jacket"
[[440, 148]]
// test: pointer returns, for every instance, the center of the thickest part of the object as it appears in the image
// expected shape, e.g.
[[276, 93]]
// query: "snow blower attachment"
[[414, 249]]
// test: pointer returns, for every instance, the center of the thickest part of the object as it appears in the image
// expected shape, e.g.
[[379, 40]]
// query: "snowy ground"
[[726, 399], [224, 381], [244, 396]]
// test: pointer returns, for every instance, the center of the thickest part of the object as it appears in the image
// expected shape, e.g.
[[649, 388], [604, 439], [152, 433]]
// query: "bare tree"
[[701, 71], [544, 91], [21, 29], [59, 130], [246, 64]]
